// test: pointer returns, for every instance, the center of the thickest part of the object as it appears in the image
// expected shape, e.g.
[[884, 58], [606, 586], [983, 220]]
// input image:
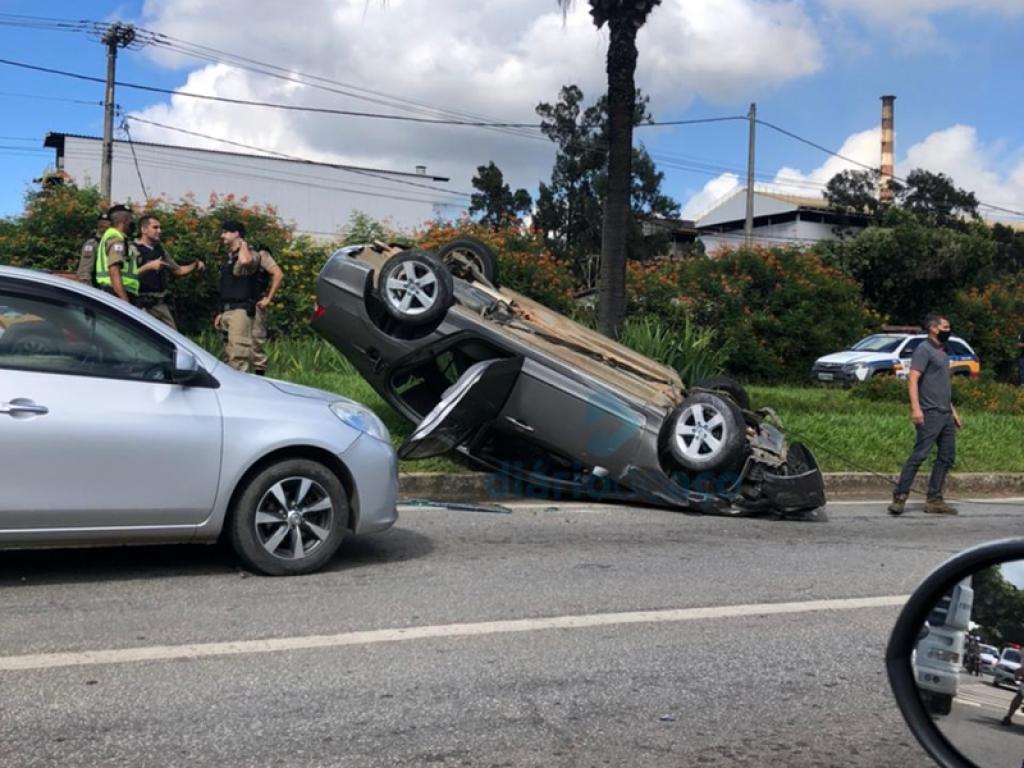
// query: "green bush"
[[990, 320], [776, 310], [693, 351], [968, 394]]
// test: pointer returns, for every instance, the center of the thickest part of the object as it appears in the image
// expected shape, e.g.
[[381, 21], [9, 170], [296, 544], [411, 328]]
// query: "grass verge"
[[846, 433]]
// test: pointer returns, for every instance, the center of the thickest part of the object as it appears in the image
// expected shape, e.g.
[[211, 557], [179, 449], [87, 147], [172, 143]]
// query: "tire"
[[940, 703], [706, 433], [270, 547], [729, 386], [415, 288], [470, 258]]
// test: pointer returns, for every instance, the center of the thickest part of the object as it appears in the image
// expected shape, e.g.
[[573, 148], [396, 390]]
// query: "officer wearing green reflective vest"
[[116, 261]]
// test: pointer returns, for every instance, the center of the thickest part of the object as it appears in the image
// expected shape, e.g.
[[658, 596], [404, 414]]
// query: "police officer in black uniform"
[[238, 296], [154, 267]]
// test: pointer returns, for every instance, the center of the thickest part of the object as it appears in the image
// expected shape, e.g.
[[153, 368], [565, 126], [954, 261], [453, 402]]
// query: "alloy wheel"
[[294, 518]]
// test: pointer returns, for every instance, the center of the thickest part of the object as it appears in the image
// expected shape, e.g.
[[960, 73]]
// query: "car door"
[[471, 402], [93, 434]]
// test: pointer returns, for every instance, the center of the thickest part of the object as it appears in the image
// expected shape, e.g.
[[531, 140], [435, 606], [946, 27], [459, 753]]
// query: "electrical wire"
[[295, 158], [873, 169], [135, 159], [266, 104], [207, 167], [37, 97]]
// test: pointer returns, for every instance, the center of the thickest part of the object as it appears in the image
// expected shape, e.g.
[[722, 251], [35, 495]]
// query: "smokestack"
[[885, 193]]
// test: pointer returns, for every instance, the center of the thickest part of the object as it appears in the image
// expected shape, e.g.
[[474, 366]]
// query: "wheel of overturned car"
[[729, 386], [469, 258], [290, 518], [416, 287], [706, 433]]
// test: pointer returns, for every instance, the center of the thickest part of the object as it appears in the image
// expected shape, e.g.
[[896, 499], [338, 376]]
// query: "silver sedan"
[[114, 429]]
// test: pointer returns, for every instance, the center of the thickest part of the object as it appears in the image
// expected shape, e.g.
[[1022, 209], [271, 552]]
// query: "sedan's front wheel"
[[290, 518]]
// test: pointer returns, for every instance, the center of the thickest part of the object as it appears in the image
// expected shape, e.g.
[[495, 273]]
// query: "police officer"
[[268, 279], [238, 295], [116, 265], [154, 266], [87, 257]]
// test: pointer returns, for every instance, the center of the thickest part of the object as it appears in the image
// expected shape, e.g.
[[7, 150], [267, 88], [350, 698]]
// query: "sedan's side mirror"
[[963, 718], [187, 370]]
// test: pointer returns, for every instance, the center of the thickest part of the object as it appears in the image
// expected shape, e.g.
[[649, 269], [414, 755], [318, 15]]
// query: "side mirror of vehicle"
[[188, 372], [960, 719]]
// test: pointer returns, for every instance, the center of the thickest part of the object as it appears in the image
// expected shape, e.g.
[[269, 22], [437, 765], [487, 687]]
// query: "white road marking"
[[954, 502], [476, 629]]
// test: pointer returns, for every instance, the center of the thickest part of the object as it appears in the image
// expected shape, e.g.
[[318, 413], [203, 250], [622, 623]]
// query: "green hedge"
[[775, 310], [968, 394]]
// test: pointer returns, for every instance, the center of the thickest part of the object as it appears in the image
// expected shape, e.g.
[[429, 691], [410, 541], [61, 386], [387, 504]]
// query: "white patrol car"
[[888, 354]]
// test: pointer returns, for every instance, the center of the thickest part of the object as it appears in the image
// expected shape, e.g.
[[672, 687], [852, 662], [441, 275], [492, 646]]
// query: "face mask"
[[944, 336]]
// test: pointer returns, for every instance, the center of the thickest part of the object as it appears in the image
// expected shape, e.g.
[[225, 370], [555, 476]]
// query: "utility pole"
[[118, 35], [748, 229]]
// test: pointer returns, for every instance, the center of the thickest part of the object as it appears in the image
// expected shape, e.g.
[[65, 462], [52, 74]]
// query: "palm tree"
[[624, 19]]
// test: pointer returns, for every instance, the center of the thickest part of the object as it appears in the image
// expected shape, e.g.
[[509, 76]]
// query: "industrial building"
[[317, 198]]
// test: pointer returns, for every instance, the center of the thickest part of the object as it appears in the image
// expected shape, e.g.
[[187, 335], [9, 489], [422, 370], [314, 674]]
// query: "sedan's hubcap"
[[414, 291], [294, 518], [701, 431]]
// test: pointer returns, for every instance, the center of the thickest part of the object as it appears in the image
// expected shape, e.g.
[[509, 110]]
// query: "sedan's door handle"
[[22, 405], [518, 424]]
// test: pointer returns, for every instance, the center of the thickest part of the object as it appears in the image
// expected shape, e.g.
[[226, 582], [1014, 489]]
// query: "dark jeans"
[[938, 428]]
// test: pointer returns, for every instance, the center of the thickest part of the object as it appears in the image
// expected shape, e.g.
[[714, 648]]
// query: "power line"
[[282, 155], [152, 156], [267, 104], [206, 53], [697, 121], [871, 168], [49, 98], [135, 158], [207, 167]]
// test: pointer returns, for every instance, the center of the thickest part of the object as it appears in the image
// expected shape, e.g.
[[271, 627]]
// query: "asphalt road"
[[974, 724], [575, 636]]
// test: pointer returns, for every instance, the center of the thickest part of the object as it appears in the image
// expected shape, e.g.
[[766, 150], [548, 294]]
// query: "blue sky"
[[816, 68]]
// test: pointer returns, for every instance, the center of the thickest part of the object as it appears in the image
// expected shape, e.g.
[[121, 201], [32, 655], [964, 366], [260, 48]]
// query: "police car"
[[888, 354]]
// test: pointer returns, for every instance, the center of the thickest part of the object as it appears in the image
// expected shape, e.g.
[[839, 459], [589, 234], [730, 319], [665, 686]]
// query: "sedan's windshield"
[[988, 649], [1012, 656], [878, 343]]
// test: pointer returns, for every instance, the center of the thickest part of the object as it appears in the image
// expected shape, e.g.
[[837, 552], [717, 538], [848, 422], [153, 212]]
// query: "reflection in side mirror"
[[955, 659]]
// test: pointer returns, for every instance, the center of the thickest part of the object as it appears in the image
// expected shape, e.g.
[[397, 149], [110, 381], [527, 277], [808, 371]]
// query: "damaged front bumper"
[[801, 488]]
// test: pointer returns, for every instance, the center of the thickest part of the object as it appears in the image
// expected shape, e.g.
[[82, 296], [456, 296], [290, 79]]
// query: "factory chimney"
[[885, 191]]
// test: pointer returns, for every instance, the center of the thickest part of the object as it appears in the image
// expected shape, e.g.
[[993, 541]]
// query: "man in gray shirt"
[[933, 415]]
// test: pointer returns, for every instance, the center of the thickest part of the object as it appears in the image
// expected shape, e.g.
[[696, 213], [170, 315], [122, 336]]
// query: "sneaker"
[[899, 503], [936, 506], [1006, 721]]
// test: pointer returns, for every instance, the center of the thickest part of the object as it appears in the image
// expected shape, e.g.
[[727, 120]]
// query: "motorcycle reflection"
[[963, 718]]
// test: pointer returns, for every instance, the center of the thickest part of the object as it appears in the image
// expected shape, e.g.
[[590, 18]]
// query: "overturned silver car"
[[556, 410]]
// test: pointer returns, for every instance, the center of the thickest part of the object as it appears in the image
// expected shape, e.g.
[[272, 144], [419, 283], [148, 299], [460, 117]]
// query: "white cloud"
[[912, 20], [863, 147], [994, 173], [957, 152], [495, 59], [713, 193]]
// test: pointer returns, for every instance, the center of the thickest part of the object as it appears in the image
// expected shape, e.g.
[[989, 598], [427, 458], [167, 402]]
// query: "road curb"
[[478, 486]]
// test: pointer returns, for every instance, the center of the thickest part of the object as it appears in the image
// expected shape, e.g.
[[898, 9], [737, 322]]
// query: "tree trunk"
[[621, 66]]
